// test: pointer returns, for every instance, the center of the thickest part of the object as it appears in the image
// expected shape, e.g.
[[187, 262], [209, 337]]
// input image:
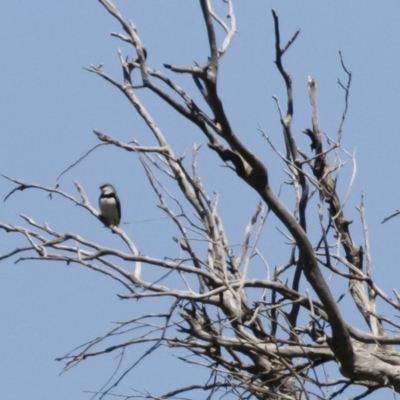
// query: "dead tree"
[[265, 337]]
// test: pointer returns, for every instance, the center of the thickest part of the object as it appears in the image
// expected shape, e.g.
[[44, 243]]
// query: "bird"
[[110, 206]]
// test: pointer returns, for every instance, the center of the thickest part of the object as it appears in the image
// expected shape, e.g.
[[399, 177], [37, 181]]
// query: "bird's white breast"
[[108, 208]]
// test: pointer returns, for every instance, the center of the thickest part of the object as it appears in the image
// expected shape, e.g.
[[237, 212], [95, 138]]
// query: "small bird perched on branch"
[[109, 204]]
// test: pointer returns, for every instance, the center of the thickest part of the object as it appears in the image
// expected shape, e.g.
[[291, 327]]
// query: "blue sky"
[[50, 105]]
